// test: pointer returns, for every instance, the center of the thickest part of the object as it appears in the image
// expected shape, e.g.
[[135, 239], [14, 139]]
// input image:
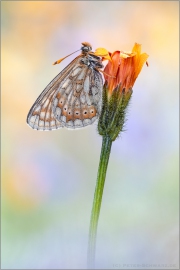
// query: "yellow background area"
[[48, 178]]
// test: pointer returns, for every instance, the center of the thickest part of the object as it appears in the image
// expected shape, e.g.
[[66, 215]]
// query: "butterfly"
[[73, 98]]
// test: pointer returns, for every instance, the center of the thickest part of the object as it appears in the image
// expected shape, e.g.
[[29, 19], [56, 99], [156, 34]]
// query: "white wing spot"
[[47, 115], [86, 122], [82, 98], [41, 123], [58, 112], [32, 119], [76, 71], [46, 103], [46, 124], [52, 123], [70, 124], [42, 114], [55, 102], [81, 75], [78, 123], [86, 84], [63, 119], [94, 119], [66, 83], [37, 109]]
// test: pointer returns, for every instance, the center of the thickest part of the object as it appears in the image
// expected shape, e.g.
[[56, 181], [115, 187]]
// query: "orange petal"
[[127, 54], [103, 53], [140, 62], [112, 69], [137, 48]]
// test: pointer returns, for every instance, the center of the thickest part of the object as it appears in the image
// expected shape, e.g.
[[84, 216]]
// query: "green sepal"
[[104, 112], [113, 111]]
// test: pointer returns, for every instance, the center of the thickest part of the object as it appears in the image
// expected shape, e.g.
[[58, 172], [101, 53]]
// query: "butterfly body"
[[73, 98]]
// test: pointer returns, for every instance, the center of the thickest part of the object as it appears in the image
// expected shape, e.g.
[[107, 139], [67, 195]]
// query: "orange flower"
[[103, 53], [125, 67]]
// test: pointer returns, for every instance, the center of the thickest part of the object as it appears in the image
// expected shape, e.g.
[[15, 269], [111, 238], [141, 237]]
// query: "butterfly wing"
[[77, 103], [41, 116]]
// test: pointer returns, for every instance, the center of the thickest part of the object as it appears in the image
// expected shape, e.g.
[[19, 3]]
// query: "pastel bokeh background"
[[48, 178]]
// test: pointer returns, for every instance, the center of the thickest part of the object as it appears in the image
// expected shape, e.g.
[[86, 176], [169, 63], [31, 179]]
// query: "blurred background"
[[48, 178]]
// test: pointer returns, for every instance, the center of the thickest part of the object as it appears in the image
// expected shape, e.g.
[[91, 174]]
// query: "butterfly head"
[[86, 47]]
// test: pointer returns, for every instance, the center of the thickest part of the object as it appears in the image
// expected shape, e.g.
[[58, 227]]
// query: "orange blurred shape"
[[23, 188]]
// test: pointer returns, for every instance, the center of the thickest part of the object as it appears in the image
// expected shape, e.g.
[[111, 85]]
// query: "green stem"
[[105, 153]]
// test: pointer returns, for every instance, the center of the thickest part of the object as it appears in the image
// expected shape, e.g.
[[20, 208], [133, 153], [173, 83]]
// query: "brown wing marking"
[[41, 116], [79, 104]]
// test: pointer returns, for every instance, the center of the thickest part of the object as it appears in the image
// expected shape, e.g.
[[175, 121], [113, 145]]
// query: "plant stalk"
[[103, 163]]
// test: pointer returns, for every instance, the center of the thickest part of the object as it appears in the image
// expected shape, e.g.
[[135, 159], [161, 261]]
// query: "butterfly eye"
[[86, 48], [85, 112]]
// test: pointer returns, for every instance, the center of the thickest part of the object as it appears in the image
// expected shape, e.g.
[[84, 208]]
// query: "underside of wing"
[[41, 116], [77, 103]]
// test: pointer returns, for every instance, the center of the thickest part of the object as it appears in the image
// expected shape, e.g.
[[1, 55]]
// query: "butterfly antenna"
[[61, 59]]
